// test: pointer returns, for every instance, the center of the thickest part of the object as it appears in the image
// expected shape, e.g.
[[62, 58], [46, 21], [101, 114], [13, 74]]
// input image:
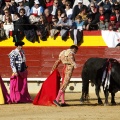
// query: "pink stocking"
[[59, 95], [63, 97]]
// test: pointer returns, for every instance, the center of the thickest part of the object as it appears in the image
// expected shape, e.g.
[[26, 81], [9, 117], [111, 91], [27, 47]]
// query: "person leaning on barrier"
[[88, 23], [42, 28], [67, 57], [25, 19], [53, 27], [64, 24], [76, 33], [18, 34]]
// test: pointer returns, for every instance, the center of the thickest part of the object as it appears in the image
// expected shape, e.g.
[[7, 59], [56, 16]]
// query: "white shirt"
[[54, 10], [69, 12], [8, 26]]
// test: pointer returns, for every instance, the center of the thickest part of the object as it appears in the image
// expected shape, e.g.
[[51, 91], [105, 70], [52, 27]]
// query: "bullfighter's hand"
[[14, 74], [51, 72]]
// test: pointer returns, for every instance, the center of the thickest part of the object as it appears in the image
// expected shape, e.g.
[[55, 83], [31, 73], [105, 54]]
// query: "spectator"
[[13, 7], [116, 3], [54, 29], [2, 31], [8, 26], [92, 9], [18, 28], [31, 3], [96, 2], [59, 13], [112, 10], [102, 25], [72, 2], [65, 25], [6, 14], [6, 6], [21, 5], [10, 5], [116, 14], [37, 9], [83, 14], [112, 24], [77, 8], [41, 3], [47, 15], [77, 30], [48, 3], [107, 4], [25, 19], [53, 8], [100, 12], [88, 23], [33, 19], [62, 4], [85, 2], [26, 3], [68, 9], [42, 28]]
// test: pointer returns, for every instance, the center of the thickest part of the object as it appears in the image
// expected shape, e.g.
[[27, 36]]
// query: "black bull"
[[93, 70]]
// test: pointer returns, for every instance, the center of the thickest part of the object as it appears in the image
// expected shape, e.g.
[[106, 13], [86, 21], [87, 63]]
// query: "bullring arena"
[[40, 58]]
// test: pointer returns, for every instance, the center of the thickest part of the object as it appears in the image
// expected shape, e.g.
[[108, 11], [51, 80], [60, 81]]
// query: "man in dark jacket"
[[97, 16], [18, 28], [77, 9]]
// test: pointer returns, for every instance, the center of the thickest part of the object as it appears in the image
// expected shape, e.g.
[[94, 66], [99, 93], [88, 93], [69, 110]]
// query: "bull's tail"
[[85, 91]]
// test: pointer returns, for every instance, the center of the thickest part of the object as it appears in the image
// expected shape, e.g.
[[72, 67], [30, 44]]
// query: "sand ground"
[[75, 110]]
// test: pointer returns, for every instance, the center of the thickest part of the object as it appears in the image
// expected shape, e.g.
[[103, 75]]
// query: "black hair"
[[18, 15], [22, 9], [74, 47]]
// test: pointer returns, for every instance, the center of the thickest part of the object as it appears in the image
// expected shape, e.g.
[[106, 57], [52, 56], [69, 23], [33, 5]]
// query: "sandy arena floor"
[[75, 110]]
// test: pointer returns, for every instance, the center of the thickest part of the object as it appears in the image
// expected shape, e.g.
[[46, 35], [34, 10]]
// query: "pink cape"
[[49, 90], [19, 89], [5, 92]]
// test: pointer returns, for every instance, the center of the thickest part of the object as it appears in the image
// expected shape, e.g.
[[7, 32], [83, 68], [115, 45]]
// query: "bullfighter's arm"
[[57, 62], [72, 60], [12, 63]]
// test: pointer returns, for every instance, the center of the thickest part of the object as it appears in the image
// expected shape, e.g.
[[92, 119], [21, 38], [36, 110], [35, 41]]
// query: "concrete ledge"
[[42, 79], [34, 84]]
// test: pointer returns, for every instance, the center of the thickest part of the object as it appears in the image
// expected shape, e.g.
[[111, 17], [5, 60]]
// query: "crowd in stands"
[[40, 18]]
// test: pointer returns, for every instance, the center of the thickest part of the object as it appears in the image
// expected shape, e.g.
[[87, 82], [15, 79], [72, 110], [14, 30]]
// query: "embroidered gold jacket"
[[66, 57]]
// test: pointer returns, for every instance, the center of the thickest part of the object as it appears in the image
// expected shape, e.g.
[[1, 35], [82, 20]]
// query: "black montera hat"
[[19, 43]]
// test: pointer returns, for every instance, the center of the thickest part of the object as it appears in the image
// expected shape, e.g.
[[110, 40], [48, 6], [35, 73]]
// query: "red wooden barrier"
[[41, 59]]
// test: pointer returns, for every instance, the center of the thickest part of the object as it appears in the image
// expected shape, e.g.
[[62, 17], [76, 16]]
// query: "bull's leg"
[[82, 99], [97, 90], [113, 99], [106, 93], [85, 92]]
